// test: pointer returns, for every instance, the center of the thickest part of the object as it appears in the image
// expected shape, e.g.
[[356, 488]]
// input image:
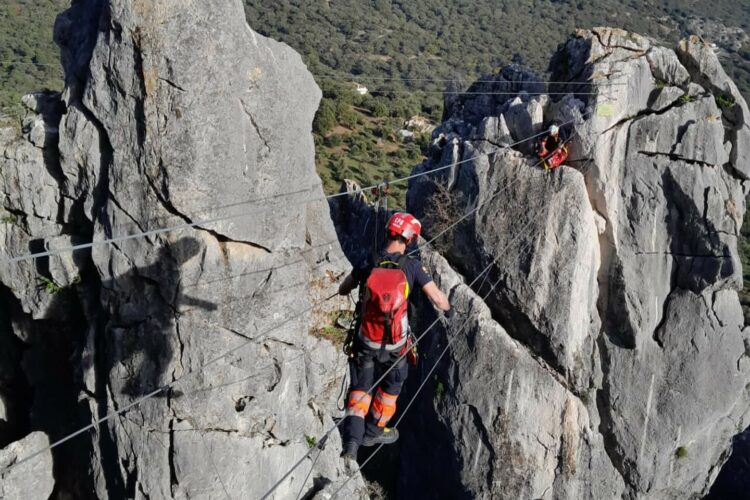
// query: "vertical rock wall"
[[611, 360], [175, 113]]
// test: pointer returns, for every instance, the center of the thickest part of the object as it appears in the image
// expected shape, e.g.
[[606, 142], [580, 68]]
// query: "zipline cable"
[[478, 80], [456, 336], [206, 222], [213, 465], [312, 468], [257, 339], [165, 387], [448, 92], [390, 368]]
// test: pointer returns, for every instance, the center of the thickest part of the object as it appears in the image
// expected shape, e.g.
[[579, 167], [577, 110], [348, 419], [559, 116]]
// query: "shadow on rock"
[[143, 307]]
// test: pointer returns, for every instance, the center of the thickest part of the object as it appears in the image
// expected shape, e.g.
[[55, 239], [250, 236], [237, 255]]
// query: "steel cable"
[[432, 370], [208, 222], [395, 363]]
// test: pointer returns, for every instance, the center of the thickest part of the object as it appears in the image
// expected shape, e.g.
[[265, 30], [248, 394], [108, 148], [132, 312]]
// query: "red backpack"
[[385, 306]]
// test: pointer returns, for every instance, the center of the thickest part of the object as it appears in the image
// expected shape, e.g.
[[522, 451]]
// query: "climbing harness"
[[412, 355], [351, 332], [341, 399], [556, 159]]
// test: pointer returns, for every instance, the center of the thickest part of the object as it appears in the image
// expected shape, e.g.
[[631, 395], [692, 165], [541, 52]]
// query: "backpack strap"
[[399, 263]]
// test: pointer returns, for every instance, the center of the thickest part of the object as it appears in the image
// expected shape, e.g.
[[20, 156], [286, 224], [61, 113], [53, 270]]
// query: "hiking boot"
[[349, 456], [351, 466], [349, 450], [386, 436]]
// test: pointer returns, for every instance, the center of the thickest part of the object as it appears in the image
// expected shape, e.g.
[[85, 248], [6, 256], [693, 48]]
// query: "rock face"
[[610, 360], [174, 114], [603, 354], [35, 481]]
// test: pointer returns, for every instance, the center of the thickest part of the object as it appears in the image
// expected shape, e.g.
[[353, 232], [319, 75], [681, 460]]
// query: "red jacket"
[[552, 152]]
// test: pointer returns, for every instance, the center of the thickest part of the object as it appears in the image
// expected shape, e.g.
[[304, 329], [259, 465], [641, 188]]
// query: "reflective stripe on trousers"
[[359, 404], [383, 407]]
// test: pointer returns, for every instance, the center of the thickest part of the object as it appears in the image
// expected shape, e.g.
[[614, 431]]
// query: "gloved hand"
[[450, 313]]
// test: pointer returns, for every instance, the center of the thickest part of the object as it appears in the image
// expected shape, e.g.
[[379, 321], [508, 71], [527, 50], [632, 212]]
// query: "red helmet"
[[405, 225]]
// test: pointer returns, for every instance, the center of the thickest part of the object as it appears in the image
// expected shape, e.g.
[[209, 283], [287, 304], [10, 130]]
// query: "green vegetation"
[[681, 452], [684, 99], [29, 59], [379, 43], [311, 441], [724, 102], [9, 219], [48, 285], [399, 49], [439, 388], [439, 213], [585, 398], [331, 333], [332, 330]]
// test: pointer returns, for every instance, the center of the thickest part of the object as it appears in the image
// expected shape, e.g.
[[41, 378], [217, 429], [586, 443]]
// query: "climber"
[[382, 334], [552, 148]]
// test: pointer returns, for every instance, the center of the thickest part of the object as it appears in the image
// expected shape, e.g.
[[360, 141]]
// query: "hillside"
[[380, 43], [383, 42], [445, 39], [29, 59]]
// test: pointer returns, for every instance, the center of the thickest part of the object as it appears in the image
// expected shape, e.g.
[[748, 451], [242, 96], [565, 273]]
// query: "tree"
[[325, 119], [346, 115], [379, 109]]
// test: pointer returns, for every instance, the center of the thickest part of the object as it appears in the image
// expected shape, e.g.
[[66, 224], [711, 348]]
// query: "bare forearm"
[[437, 297]]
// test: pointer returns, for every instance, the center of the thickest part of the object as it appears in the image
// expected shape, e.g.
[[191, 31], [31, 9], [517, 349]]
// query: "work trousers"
[[367, 412]]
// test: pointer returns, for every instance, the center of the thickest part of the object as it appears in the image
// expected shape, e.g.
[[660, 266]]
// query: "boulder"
[[34, 480], [705, 69], [496, 419]]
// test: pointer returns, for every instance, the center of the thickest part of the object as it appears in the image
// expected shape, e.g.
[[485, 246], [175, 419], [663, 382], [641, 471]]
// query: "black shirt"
[[416, 273]]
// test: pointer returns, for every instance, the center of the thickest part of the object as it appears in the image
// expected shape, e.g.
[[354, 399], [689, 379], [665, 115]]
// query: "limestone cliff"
[[611, 360], [173, 113]]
